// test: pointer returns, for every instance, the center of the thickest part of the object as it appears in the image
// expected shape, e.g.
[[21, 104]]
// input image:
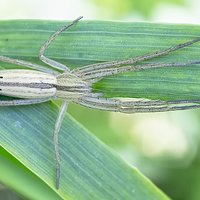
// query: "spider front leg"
[[107, 65], [96, 75], [49, 61]]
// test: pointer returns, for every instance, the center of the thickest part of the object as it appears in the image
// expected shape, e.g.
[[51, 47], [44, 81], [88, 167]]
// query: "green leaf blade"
[[92, 42], [23, 181], [89, 170]]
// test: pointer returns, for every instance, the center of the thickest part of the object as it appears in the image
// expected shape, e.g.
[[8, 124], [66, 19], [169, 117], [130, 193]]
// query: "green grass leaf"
[[89, 169], [21, 179], [91, 42]]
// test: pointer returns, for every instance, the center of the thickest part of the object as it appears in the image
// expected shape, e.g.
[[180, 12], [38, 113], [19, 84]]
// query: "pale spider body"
[[31, 84], [41, 84], [27, 84]]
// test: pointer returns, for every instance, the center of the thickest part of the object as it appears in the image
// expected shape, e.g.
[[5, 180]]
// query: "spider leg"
[[101, 73], [132, 102], [136, 106], [53, 63], [58, 124], [26, 64], [90, 68], [16, 102], [50, 62]]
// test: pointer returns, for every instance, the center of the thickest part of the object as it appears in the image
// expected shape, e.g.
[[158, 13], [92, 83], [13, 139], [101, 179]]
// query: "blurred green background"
[[165, 146]]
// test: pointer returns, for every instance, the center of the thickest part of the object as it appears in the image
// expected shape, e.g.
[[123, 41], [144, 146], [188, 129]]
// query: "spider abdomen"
[[27, 84]]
